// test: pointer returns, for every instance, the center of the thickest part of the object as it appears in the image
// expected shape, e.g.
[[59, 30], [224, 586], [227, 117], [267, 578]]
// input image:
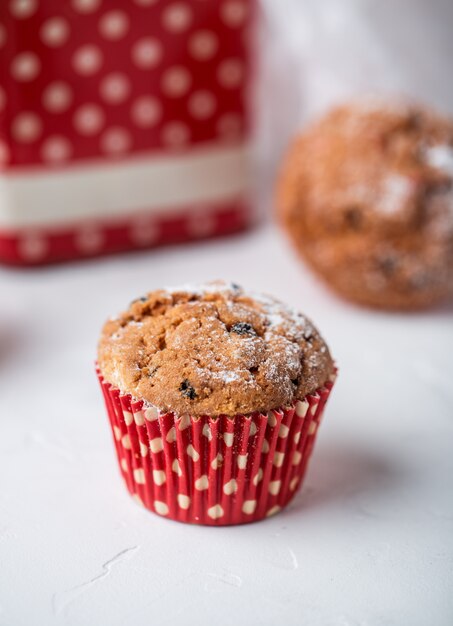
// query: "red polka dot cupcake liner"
[[103, 106], [213, 471]]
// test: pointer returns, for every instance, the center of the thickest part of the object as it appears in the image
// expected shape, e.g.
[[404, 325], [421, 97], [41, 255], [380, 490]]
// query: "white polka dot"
[[230, 126], [114, 25], [242, 461], [89, 119], [151, 414], [302, 408], [294, 482], [147, 53], [312, 427], [194, 455], [115, 140], [183, 501], [203, 45], [161, 507], [297, 437], [85, 6], [89, 241], [156, 444], [275, 509], [57, 97], [143, 231], [26, 127], [126, 442], [139, 418], [274, 487], [202, 483], [56, 149], [217, 462], [159, 477], [249, 507], [297, 458], [314, 407], [22, 9], [115, 88], [253, 429], [171, 435], [202, 105], [33, 247], [143, 449], [279, 457], [139, 476], [176, 81], [265, 446], [55, 32], [128, 417], [177, 17], [146, 111], [228, 439], [230, 487], [230, 73], [175, 466], [175, 134], [2, 35], [137, 499], [258, 477], [201, 224], [215, 512], [124, 465], [117, 433], [25, 66], [271, 419], [207, 432], [234, 13], [87, 60], [184, 422], [283, 431]]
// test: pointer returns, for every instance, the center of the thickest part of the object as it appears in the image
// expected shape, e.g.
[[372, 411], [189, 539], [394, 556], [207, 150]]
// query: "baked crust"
[[213, 349]]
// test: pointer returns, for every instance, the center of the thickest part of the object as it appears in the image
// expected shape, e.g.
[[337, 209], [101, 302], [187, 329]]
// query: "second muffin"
[[214, 398], [366, 196]]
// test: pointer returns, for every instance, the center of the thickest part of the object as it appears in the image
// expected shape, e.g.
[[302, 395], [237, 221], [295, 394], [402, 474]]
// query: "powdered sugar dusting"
[[396, 192], [213, 349], [440, 157]]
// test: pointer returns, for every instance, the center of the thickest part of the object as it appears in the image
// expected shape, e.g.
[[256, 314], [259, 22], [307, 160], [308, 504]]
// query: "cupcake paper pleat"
[[213, 471]]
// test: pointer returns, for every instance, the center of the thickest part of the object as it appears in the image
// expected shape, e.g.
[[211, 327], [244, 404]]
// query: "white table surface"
[[368, 541]]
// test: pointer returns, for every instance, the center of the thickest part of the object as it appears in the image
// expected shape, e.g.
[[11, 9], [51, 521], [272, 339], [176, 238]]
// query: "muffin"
[[214, 396], [366, 196]]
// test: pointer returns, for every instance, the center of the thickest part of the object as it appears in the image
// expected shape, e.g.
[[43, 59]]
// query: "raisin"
[[187, 390], [353, 218], [141, 299], [243, 328], [308, 334], [388, 265]]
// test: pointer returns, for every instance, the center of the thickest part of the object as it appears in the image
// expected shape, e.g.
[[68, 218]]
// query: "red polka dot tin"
[[123, 124]]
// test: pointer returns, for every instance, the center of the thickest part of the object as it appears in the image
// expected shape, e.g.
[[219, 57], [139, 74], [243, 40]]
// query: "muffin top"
[[367, 195], [213, 350]]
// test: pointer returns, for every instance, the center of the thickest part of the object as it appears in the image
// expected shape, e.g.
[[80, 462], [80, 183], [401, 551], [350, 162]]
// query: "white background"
[[368, 541]]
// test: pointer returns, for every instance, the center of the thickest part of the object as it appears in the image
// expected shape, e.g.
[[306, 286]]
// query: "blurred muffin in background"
[[366, 195]]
